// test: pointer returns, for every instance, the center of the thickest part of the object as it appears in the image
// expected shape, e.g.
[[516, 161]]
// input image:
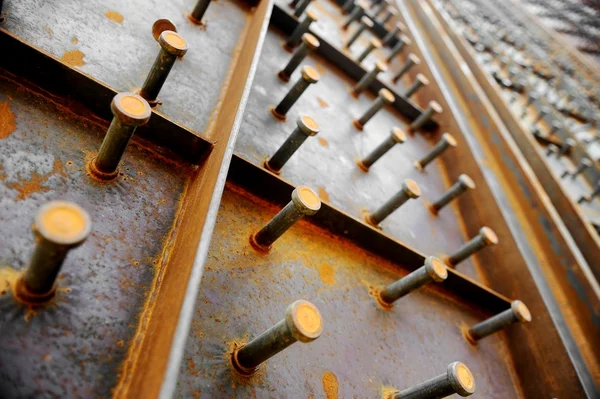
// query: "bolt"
[[485, 237], [383, 97], [555, 127], [593, 195], [403, 41], [130, 111], [309, 44], [294, 40], [458, 379], [356, 13], [432, 109], [373, 44], [541, 113], [172, 46], [368, 78], [199, 10], [463, 184], [411, 61], [304, 202], [365, 23], [301, 8], [309, 76], [382, 6], [59, 226], [409, 190], [399, 27], [585, 163], [566, 147], [302, 322], [432, 270], [552, 149], [419, 82], [348, 6], [391, 12], [306, 127], [445, 142], [397, 136], [518, 312]]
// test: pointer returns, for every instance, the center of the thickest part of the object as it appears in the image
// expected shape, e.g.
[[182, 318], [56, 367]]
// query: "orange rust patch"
[[321, 69], [387, 392], [323, 142], [73, 58], [114, 16], [327, 274], [63, 222], [322, 102], [330, 385], [133, 105], [47, 357], [324, 195], [7, 120], [35, 184], [174, 39], [121, 343], [8, 278], [308, 318]]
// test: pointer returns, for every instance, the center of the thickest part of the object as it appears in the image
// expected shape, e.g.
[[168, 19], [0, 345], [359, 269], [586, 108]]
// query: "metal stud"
[[518, 313], [399, 27], [294, 40], [403, 41], [419, 82], [588, 198], [457, 379], [356, 13], [309, 76], [463, 184], [172, 46], [391, 12], [447, 141], [348, 6], [433, 270], [432, 109], [552, 149], [485, 238], [59, 226], [585, 163], [397, 136], [309, 44], [373, 44], [302, 322], [304, 202], [368, 78], [409, 190], [543, 111], [130, 111], [383, 97], [301, 7], [411, 61], [566, 147], [382, 7], [365, 23], [199, 10], [305, 127], [555, 127]]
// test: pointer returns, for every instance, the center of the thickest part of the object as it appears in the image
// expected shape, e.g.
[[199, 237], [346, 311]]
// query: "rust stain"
[[330, 385], [387, 392], [321, 69], [73, 58], [323, 142], [74, 40], [114, 16], [327, 274], [7, 120], [324, 195], [36, 183], [322, 102], [49, 31], [8, 278]]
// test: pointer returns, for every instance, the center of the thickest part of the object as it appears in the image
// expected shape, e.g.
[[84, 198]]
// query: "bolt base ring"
[[418, 166], [284, 77], [362, 166], [195, 21], [357, 124], [23, 294], [246, 372], [433, 210], [469, 338], [277, 115], [287, 48], [257, 246], [265, 163], [99, 175], [383, 304], [370, 221]]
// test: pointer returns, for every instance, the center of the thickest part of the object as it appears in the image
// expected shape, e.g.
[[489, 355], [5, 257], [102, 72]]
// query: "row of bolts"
[[60, 226]]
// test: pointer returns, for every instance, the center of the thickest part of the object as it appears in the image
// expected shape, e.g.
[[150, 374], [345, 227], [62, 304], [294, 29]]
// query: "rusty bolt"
[[365, 24], [411, 61], [368, 78], [457, 379], [384, 97], [409, 190], [518, 312], [447, 141], [463, 184], [306, 127], [432, 108], [485, 238], [294, 40], [309, 76], [397, 136], [309, 44]]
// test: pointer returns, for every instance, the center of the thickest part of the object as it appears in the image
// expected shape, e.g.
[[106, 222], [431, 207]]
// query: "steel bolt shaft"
[[447, 141], [348, 6], [304, 202], [432, 270], [302, 322], [172, 46], [409, 190], [432, 108], [585, 163], [403, 41], [373, 44], [399, 27], [306, 127], [593, 195], [59, 226], [397, 136], [457, 379], [130, 111], [384, 97], [294, 40], [365, 23], [309, 76], [356, 13], [199, 10], [463, 184], [309, 44], [301, 7], [566, 147], [411, 61], [368, 78], [485, 237], [518, 312], [419, 82]]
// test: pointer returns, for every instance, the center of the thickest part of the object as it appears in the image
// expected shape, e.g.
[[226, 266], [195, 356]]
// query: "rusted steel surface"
[[365, 347]]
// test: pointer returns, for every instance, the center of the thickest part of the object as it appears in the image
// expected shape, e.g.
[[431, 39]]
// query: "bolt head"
[[311, 41], [304, 321], [307, 125], [406, 40], [63, 223], [449, 139], [162, 25], [381, 66], [306, 200], [130, 109], [421, 78], [310, 74], [398, 135], [461, 378], [466, 181], [436, 269], [488, 235], [401, 27], [587, 162], [367, 22], [413, 59], [173, 43], [387, 96], [434, 105], [570, 142], [411, 188], [376, 43], [521, 311], [312, 16]]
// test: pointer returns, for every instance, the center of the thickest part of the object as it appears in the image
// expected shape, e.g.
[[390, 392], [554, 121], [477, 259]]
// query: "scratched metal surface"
[[112, 41], [326, 162], [244, 292], [74, 347]]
